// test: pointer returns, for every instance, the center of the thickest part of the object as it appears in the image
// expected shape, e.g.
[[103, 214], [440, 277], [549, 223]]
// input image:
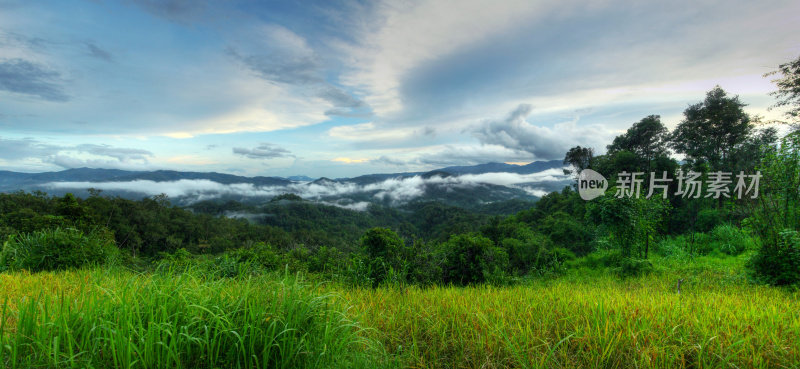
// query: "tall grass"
[[182, 320], [597, 322], [109, 318]]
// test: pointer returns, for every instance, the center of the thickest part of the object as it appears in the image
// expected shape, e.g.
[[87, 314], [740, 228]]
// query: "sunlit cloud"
[[350, 160]]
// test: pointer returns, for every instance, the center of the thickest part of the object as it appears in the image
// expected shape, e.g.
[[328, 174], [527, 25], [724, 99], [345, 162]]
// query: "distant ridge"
[[530, 168], [15, 180], [386, 188], [534, 167]]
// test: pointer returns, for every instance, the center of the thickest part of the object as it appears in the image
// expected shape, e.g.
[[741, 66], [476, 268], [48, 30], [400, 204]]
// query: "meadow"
[[109, 317]]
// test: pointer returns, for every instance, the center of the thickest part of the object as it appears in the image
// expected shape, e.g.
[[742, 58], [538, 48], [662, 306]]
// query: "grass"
[[717, 321], [585, 319], [105, 319]]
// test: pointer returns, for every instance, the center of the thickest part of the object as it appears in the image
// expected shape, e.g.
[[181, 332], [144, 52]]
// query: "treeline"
[[287, 231]]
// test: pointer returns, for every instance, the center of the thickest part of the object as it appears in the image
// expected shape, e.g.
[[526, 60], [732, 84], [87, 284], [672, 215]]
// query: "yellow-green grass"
[[585, 319], [717, 321]]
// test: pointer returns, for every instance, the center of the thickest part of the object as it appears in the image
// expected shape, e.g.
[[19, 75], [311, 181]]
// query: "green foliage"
[[788, 93], [647, 139], [632, 267], [387, 256], [286, 197], [600, 259], [709, 218], [776, 218], [712, 130], [633, 223], [730, 240], [58, 249], [471, 258], [614, 262], [567, 232], [578, 158], [781, 264]]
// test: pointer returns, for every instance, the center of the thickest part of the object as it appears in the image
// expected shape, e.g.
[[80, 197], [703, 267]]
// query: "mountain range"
[[478, 184]]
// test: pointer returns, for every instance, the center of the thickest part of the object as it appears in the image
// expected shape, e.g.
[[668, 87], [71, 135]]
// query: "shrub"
[[631, 267], [614, 261], [58, 249], [699, 244], [387, 255], [776, 219], [471, 258], [707, 219], [781, 265], [606, 258], [729, 239], [673, 247]]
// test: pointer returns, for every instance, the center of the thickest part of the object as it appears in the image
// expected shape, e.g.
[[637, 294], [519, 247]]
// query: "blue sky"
[[342, 88]]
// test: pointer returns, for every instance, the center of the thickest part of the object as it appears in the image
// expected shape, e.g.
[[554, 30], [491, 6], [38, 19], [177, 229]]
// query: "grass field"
[[588, 319]]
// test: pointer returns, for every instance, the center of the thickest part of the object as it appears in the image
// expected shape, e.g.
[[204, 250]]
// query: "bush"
[[707, 219], [606, 258], [673, 247], [776, 221], [387, 256], [471, 258], [729, 239], [631, 267], [699, 244], [781, 265], [614, 261], [58, 249]]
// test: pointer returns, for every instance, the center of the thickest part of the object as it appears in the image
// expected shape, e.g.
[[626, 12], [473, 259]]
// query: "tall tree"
[[579, 158], [647, 138], [711, 130], [788, 93]]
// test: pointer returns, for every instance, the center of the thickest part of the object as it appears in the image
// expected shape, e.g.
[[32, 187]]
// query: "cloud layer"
[[64, 156], [394, 190], [263, 151]]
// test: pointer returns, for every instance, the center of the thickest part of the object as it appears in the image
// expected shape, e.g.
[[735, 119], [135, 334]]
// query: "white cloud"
[[397, 189], [515, 133], [405, 36]]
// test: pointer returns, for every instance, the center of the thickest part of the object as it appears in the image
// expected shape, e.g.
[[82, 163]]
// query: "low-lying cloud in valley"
[[395, 190]]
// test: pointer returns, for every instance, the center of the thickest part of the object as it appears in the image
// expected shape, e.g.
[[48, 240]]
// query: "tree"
[[776, 218], [388, 256], [631, 222], [471, 258], [711, 130], [579, 158], [788, 93], [753, 149], [647, 138]]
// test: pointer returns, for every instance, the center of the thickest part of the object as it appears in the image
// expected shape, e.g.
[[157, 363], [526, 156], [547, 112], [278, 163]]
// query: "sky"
[[344, 88]]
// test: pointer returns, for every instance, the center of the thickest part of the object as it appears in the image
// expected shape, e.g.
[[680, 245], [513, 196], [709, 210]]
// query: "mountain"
[[454, 185], [534, 167], [300, 178], [10, 181]]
